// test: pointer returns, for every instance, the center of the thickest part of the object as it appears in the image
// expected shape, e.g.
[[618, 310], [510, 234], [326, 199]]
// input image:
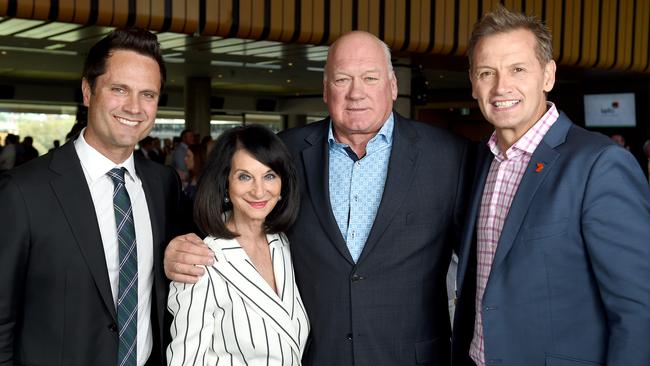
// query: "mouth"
[[258, 204], [355, 110], [126, 121], [504, 104]]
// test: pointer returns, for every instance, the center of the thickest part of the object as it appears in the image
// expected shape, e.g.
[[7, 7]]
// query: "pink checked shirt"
[[501, 185]]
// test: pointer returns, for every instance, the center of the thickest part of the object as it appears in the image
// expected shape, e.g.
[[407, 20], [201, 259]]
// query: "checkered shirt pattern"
[[500, 188], [357, 185]]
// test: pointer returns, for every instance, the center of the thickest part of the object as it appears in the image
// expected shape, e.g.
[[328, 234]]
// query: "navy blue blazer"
[[390, 307], [569, 284]]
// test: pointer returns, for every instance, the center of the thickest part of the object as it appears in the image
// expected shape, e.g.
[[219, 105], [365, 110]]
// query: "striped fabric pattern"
[[127, 300], [233, 317]]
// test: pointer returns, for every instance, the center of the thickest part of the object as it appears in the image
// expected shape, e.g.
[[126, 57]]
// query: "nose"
[[357, 90], [132, 104], [257, 190], [503, 83]]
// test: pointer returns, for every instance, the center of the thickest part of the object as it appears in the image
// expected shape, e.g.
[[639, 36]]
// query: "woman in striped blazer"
[[246, 310]]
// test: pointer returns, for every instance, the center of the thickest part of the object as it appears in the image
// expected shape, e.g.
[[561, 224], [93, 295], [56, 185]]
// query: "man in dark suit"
[[555, 259], [67, 298], [381, 201]]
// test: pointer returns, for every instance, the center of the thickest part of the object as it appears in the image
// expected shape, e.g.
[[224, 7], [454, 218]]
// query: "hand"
[[183, 256]]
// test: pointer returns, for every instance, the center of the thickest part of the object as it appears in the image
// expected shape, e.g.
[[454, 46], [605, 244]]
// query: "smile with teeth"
[[505, 103], [127, 122], [257, 204]]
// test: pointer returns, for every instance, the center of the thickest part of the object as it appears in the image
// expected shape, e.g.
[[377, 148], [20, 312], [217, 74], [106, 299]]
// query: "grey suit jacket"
[[390, 308], [56, 306]]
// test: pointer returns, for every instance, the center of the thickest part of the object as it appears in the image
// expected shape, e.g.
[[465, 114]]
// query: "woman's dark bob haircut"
[[268, 149]]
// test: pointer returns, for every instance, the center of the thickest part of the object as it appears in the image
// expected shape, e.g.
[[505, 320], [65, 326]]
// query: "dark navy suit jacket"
[[570, 282], [390, 308], [56, 305]]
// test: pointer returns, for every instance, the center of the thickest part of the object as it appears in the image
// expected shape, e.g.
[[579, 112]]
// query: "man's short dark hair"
[[268, 149], [137, 40]]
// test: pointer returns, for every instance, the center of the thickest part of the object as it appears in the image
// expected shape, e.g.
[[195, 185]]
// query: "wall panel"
[[607, 34]]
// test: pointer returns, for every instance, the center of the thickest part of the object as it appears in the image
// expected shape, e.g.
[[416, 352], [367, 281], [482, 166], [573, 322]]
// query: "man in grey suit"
[[382, 201], [84, 227]]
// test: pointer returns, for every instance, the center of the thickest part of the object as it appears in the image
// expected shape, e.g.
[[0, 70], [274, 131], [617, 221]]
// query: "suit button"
[[348, 336], [112, 327], [356, 278]]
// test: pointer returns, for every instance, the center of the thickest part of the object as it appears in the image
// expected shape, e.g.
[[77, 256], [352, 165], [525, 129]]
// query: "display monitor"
[[610, 110]]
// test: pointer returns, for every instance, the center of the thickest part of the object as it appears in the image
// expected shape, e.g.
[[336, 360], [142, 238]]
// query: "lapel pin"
[[539, 167]]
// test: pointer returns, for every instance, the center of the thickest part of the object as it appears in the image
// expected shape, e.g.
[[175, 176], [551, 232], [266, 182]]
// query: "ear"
[[86, 91], [471, 80], [393, 85], [549, 76], [324, 90]]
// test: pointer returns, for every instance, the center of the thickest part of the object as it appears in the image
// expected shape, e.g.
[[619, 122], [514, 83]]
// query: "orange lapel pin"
[[539, 167]]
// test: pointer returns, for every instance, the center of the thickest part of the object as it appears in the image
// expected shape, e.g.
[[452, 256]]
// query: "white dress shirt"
[[95, 166]]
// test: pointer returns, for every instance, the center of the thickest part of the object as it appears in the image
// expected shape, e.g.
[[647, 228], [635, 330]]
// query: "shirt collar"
[[530, 140], [384, 135], [97, 165]]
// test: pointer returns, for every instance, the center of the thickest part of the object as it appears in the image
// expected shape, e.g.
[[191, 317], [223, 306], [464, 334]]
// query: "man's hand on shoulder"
[[183, 257]]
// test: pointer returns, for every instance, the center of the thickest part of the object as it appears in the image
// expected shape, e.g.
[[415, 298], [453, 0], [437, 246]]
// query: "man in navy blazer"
[[59, 262], [555, 258], [383, 304]]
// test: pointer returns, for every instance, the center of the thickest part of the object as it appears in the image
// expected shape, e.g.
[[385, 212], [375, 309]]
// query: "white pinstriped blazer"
[[233, 317]]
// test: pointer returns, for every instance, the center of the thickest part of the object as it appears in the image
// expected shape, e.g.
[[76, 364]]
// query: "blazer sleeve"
[[193, 326], [616, 231], [14, 251]]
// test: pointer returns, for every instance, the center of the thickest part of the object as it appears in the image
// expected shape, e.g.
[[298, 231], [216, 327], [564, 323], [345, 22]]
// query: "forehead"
[[128, 67], [514, 46], [356, 53]]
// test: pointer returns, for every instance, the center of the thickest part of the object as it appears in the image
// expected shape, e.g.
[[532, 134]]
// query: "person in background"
[[180, 150], [84, 227], [382, 208], [247, 309], [55, 145], [8, 154], [195, 162], [555, 256]]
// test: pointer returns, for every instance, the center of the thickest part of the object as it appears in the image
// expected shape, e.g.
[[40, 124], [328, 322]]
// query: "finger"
[[191, 258], [184, 278], [174, 269]]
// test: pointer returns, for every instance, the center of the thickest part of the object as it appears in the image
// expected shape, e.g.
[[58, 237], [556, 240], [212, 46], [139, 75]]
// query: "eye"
[[243, 177], [270, 176], [370, 79], [485, 74], [118, 90], [149, 95], [341, 81], [518, 69]]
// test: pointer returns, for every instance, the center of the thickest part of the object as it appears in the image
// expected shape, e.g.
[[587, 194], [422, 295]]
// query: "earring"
[[226, 199], [279, 198]]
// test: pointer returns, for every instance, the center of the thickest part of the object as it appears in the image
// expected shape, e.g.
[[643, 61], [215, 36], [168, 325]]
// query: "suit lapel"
[[401, 169], [315, 160], [484, 161], [155, 197], [530, 182], [71, 187], [234, 266]]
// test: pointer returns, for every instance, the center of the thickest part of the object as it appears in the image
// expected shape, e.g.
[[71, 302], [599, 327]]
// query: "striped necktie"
[[127, 298]]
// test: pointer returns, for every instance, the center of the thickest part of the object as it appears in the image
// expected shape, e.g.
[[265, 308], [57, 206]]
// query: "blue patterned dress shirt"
[[356, 185]]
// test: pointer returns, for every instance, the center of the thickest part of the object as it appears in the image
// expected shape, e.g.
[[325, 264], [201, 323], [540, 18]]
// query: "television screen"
[[610, 110]]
